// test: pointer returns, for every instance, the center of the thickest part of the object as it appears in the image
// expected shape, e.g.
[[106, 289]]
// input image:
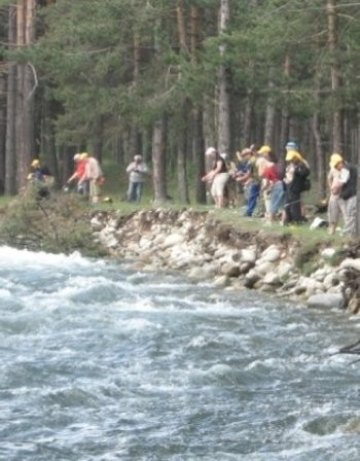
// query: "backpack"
[[306, 181], [348, 190], [307, 184]]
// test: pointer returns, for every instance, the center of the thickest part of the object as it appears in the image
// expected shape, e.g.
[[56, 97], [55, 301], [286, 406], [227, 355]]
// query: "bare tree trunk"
[[2, 131], [24, 92], [181, 169], [223, 87], [180, 14], [285, 117], [197, 144], [335, 74], [320, 158], [159, 161], [181, 142], [270, 112], [10, 152]]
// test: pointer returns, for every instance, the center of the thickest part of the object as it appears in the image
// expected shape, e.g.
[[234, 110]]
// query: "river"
[[99, 362]]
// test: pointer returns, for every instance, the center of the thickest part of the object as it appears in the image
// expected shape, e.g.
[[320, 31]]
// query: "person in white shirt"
[[137, 171]]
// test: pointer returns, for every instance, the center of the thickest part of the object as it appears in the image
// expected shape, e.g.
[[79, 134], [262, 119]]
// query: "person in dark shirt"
[[218, 176], [296, 173]]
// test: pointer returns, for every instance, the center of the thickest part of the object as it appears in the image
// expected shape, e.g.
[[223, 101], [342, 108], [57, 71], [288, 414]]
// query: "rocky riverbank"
[[199, 246]]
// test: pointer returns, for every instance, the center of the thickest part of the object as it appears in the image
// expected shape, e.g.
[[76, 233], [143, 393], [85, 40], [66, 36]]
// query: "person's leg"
[[276, 200], [253, 197], [294, 208], [350, 217], [333, 213], [139, 188], [131, 192]]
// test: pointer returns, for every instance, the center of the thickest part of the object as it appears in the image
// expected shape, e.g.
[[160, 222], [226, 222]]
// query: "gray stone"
[[326, 300]]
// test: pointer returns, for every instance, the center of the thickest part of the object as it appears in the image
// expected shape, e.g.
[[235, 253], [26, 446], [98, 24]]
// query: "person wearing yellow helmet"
[[296, 181], [40, 177], [344, 186], [334, 184]]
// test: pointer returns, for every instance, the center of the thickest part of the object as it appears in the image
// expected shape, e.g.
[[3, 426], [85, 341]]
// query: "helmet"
[[210, 151], [264, 150], [84, 155], [291, 145], [35, 163], [335, 159], [293, 155]]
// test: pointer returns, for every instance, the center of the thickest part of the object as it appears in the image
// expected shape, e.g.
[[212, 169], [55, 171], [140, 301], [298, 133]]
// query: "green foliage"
[[57, 224]]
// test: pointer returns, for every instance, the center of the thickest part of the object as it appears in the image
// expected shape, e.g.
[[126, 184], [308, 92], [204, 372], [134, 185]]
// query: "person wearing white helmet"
[[218, 177], [137, 171]]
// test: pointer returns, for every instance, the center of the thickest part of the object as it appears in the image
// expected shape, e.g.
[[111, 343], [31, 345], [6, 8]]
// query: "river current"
[[99, 362]]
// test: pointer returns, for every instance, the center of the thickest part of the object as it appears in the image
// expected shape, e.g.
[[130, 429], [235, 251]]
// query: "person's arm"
[[212, 173], [131, 167]]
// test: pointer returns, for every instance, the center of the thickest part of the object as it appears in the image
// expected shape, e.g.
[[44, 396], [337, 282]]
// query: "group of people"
[[261, 175], [88, 176], [279, 186], [258, 172]]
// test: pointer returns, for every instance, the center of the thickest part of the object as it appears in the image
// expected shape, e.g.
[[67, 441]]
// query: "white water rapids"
[[99, 362]]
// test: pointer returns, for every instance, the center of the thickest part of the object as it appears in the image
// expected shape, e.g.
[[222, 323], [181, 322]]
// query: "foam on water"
[[102, 363]]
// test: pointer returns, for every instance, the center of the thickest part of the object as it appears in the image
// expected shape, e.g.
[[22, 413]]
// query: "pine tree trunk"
[[181, 170], [316, 130], [180, 15], [223, 87], [335, 75], [270, 112], [285, 117], [199, 149], [10, 152], [159, 161], [2, 131], [24, 143], [197, 144]]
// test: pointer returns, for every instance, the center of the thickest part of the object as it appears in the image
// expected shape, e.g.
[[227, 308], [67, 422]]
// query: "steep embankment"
[[203, 248]]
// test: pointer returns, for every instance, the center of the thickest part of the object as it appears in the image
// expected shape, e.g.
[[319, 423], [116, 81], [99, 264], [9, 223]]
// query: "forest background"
[[168, 78]]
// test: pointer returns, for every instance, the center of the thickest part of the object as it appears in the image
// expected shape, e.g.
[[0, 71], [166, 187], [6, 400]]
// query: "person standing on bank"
[[333, 209], [93, 174], [296, 174], [218, 176], [137, 171], [346, 186]]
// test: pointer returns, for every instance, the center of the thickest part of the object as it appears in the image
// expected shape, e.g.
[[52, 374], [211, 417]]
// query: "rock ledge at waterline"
[[203, 248]]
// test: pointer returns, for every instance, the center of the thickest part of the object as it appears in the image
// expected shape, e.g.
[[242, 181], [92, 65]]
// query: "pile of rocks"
[[206, 249]]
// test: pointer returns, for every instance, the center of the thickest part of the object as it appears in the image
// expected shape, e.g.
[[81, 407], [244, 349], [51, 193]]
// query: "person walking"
[[137, 171]]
